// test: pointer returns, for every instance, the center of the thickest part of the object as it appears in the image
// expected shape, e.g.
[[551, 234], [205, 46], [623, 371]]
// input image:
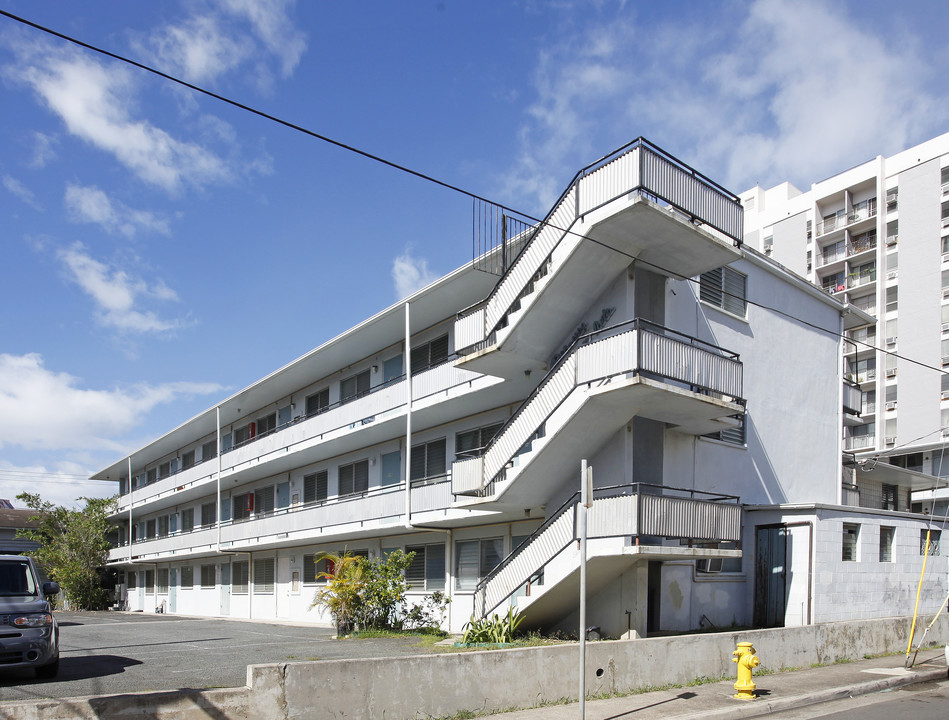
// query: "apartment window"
[[354, 386], [392, 369], [732, 435], [473, 443], [187, 520], [430, 354], [208, 514], [208, 450], [474, 559], [187, 460], [243, 506], [132, 580], [427, 571], [239, 577], [313, 568], [245, 434], [317, 402], [886, 543], [266, 424], [187, 577], [150, 528], [164, 470], [391, 468], [151, 476], [724, 288], [163, 580], [264, 500], [892, 298], [263, 576], [354, 478], [935, 538], [888, 500], [428, 460], [315, 487], [163, 526], [207, 576], [150, 581], [850, 538]]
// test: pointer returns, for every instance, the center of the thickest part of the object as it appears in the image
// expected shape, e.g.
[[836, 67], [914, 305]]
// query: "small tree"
[[73, 546], [383, 606], [342, 596]]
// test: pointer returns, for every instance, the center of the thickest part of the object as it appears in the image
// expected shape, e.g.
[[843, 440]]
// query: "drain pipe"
[[131, 498], [408, 419]]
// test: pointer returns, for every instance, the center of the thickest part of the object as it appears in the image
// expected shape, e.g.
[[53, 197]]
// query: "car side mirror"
[[50, 588]]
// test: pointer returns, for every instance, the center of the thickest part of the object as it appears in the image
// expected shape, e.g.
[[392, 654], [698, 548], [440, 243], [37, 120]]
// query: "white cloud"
[[95, 102], [92, 205], [221, 36], [63, 485], [410, 274], [116, 294], [21, 191], [773, 91], [43, 149], [44, 409]]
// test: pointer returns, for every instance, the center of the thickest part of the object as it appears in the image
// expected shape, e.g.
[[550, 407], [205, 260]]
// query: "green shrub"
[[492, 630]]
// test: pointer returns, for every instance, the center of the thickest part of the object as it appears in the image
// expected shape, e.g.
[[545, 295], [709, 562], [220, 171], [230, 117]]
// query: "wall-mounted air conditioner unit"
[[945, 327], [945, 394], [945, 222], [891, 240], [890, 440], [891, 275], [891, 340], [891, 405], [891, 372]]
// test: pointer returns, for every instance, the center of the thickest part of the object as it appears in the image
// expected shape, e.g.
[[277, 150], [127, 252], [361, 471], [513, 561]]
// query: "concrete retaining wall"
[[439, 685]]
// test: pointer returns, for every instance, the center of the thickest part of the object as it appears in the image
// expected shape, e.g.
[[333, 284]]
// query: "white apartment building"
[[877, 236], [700, 380]]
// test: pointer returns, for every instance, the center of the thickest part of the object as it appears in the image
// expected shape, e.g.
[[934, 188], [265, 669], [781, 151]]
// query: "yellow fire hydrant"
[[746, 659]]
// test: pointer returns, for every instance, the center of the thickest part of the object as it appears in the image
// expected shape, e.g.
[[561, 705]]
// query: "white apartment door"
[[172, 590], [225, 589], [282, 587]]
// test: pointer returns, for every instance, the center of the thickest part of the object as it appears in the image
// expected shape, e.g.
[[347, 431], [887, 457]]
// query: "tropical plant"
[[73, 546], [428, 615], [382, 604], [342, 595], [494, 629]]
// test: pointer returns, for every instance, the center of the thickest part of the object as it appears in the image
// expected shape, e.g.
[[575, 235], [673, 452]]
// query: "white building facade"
[[701, 381]]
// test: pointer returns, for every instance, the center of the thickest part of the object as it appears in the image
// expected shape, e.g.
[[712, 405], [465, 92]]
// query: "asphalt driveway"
[[108, 653]]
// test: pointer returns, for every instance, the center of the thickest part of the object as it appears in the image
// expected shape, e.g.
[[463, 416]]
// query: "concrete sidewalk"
[[776, 692]]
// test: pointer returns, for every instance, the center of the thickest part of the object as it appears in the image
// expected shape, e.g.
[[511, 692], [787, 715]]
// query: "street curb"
[[762, 707]]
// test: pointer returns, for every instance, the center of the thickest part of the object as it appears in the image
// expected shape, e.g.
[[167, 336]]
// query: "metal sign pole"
[[582, 531]]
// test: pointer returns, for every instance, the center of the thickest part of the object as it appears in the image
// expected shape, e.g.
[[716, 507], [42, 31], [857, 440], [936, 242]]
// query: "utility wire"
[[423, 176]]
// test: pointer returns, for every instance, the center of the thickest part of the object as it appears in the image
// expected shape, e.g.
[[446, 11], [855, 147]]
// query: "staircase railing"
[[639, 509]]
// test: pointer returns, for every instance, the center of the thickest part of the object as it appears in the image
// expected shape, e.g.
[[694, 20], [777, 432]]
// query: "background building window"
[[354, 478], [187, 577], [354, 387], [473, 443], [886, 543], [263, 576], [430, 354], [239, 577], [317, 402], [428, 460], [315, 487], [427, 571], [850, 542], [207, 576], [935, 541]]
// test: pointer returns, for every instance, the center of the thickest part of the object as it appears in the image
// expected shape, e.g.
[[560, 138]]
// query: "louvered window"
[[317, 402], [263, 575], [354, 478], [427, 571], [733, 435], [724, 288], [264, 500], [473, 443], [315, 487], [430, 354], [428, 460], [239, 577], [354, 387]]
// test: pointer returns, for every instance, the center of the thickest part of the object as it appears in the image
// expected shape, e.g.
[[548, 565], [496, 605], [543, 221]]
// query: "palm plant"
[[342, 594]]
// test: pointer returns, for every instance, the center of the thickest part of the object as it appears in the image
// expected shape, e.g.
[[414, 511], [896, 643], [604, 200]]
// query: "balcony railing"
[[639, 167], [861, 211], [856, 442], [622, 511], [853, 397], [637, 346], [864, 278]]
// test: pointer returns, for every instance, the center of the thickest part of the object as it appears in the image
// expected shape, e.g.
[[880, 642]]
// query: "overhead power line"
[[423, 176]]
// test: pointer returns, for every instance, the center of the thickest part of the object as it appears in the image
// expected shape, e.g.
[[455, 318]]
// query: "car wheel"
[[47, 672]]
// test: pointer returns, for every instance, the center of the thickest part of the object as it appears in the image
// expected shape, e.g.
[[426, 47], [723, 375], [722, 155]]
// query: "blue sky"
[[162, 250]]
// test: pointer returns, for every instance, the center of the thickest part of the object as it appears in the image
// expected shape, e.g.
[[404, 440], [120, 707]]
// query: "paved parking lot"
[[108, 653]]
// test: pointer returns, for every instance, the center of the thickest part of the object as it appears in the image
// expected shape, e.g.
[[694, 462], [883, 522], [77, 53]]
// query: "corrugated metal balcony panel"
[[609, 181], [544, 548], [432, 496], [467, 475], [614, 516], [677, 517], [470, 328], [671, 358], [529, 418], [440, 378], [530, 261]]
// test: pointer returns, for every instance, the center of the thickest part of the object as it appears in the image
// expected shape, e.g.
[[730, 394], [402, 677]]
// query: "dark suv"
[[29, 635]]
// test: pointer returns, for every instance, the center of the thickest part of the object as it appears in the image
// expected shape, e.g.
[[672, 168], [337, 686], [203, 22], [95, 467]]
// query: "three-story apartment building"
[[701, 381]]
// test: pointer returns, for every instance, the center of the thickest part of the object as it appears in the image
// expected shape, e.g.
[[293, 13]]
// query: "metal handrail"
[[571, 503]]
